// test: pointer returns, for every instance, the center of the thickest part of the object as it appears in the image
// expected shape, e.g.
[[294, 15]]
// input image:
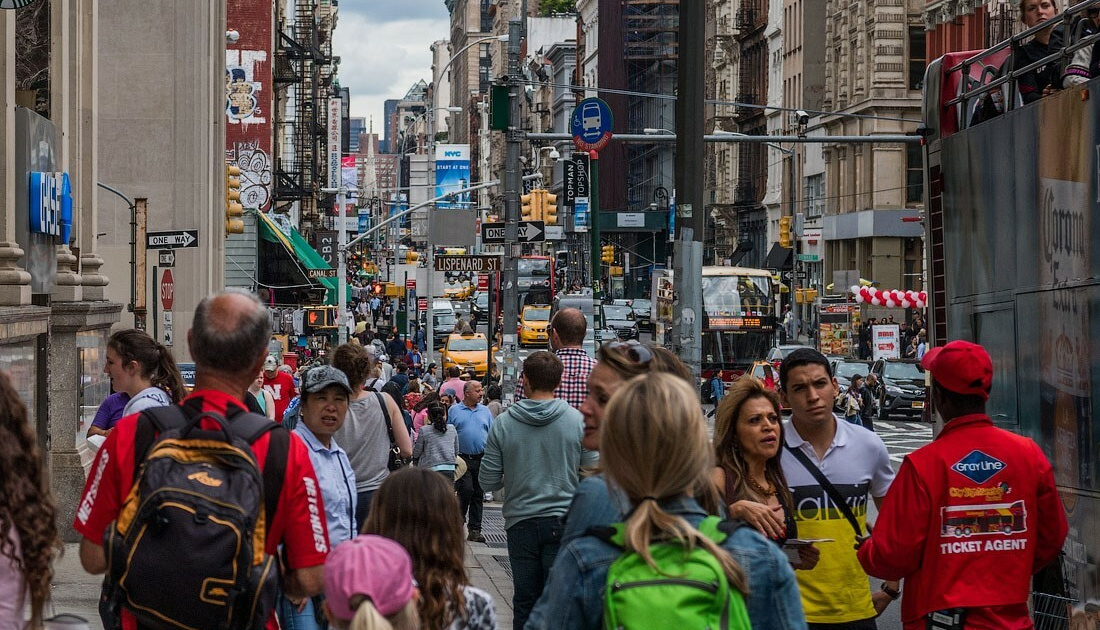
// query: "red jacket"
[[967, 521]]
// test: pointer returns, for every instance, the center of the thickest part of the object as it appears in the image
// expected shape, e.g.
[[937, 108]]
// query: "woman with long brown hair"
[[417, 508], [654, 447], [29, 542], [748, 440]]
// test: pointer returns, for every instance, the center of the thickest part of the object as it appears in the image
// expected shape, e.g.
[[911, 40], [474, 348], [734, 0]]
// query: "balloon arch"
[[889, 297]]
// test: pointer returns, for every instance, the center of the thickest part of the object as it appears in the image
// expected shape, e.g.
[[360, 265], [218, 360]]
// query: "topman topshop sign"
[[51, 204]]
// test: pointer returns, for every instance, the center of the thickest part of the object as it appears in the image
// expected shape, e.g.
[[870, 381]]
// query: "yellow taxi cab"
[[465, 352], [533, 324]]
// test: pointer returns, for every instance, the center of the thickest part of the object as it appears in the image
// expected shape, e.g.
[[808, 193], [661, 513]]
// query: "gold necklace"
[[765, 492]]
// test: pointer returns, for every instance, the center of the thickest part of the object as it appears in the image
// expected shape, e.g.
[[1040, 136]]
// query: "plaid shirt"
[[574, 378]]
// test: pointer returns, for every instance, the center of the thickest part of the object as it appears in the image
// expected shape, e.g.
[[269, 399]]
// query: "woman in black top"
[[748, 442], [1044, 79]]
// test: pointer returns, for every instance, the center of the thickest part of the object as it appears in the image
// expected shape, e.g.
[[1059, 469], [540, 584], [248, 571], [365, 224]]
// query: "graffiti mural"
[[255, 176], [242, 87]]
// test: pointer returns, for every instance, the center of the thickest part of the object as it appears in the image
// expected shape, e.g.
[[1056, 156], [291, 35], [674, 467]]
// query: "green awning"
[[299, 247]]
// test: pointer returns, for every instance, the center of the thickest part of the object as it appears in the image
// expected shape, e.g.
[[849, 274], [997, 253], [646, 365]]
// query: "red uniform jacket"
[[967, 521]]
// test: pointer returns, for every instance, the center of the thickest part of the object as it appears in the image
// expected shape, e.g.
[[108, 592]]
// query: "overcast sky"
[[383, 47]]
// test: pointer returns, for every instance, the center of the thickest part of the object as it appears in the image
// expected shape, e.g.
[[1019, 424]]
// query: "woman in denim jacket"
[[657, 467]]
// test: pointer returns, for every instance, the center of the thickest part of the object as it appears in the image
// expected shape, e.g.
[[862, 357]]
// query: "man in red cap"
[[971, 516]]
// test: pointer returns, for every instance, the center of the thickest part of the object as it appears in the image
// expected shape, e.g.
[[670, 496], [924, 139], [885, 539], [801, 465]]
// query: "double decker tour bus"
[[1012, 206], [738, 317]]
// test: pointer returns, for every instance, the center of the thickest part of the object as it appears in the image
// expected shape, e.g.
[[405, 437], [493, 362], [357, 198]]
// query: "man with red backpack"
[[228, 343]]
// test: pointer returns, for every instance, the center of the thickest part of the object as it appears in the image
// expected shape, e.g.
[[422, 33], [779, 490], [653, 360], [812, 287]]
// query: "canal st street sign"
[[320, 273], [478, 264]]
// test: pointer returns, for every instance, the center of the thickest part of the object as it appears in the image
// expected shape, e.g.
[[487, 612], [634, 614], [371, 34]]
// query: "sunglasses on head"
[[634, 350]]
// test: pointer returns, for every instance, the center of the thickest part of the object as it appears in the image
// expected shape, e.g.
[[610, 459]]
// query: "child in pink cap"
[[369, 584]]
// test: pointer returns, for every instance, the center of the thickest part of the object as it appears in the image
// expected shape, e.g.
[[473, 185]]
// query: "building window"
[[815, 195], [914, 173], [485, 68], [916, 57]]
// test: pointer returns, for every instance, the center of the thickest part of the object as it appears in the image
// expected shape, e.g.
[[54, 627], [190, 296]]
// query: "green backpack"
[[687, 590]]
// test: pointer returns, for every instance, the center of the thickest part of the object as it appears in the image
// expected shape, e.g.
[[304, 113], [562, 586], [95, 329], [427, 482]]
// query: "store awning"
[[302, 251], [779, 258]]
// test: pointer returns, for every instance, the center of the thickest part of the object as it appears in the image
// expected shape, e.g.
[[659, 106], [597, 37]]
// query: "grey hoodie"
[[534, 452]]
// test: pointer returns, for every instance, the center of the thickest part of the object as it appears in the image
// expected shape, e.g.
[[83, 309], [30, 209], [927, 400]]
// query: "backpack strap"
[[151, 423], [251, 427], [715, 528], [385, 415]]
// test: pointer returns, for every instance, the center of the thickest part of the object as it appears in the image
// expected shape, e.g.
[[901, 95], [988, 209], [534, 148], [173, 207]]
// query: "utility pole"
[[513, 182], [691, 219]]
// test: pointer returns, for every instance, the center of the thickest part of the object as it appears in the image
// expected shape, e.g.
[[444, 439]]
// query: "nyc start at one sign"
[[591, 125], [51, 204]]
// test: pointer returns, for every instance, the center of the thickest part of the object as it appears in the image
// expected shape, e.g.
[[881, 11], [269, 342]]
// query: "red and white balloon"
[[891, 298]]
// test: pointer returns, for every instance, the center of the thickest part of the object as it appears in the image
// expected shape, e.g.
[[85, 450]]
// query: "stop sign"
[[167, 290]]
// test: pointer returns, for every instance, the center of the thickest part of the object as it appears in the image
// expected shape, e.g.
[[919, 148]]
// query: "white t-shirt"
[[146, 399], [858, 465], [12, 587]]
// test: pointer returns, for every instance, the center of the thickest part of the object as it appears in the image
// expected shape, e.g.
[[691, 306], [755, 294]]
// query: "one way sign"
[[531, 231], [526, 231], [172, 240]]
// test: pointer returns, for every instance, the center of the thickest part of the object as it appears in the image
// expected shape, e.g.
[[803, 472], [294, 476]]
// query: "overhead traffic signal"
[[234, 211], [549, 207], [785, 232], [607, 254]]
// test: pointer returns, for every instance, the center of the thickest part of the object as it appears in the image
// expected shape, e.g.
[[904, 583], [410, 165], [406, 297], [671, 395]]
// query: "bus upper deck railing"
[[960, 104]]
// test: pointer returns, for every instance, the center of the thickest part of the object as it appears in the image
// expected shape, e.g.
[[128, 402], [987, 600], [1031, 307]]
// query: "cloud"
[[384, 48]]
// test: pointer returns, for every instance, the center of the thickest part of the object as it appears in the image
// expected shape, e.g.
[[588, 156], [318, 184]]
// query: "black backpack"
[[187, 549]]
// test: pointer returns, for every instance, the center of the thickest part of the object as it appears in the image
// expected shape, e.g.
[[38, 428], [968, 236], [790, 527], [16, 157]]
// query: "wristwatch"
[[893, 593]]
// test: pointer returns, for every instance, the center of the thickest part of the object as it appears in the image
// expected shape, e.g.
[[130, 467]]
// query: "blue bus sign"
[[591, 125]]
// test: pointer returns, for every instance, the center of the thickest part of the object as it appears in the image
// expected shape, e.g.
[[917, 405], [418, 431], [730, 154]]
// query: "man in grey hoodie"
[[534, 452]]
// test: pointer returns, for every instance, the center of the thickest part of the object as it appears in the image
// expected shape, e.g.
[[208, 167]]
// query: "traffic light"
[[607, 254], [549, 208], [785, 232], [528, 206], [234, 211], [411, 258]]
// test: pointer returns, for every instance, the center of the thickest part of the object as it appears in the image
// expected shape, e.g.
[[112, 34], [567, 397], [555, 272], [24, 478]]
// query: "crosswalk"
[[902, 438]]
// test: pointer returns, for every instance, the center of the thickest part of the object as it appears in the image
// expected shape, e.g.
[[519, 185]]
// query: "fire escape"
[[752, 167], [649, 29], [301, 75]]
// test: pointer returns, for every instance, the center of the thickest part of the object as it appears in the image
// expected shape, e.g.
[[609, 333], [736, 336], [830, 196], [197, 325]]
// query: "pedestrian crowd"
[[351, 509]]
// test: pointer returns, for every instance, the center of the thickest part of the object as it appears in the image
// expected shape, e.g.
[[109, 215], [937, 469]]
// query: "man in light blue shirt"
[[472, 420]]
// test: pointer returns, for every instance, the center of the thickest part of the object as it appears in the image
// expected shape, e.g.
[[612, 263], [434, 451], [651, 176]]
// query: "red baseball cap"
[[961, 367]]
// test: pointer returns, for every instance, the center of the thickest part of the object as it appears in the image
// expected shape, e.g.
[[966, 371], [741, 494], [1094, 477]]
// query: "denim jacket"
[[574, 593]]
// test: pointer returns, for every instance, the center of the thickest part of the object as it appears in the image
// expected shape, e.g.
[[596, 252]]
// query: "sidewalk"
[[76, 592]]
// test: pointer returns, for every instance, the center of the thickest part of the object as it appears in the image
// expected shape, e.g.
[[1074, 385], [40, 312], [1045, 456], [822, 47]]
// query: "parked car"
[[533, 324], [904, 391], [643, 313], [621, 319]]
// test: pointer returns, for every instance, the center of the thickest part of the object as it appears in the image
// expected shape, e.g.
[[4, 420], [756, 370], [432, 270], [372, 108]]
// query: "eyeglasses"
[[634, 350]]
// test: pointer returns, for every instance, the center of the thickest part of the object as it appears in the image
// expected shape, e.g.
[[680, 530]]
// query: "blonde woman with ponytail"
[[369, 585], [654, 446]]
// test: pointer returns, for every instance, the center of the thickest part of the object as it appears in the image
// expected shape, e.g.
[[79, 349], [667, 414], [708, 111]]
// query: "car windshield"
[[642, 305], [482, 301], [848, 370], [537, 315], [471, 344], [616, 312], [533, 267], [903, 371], [444, 319]]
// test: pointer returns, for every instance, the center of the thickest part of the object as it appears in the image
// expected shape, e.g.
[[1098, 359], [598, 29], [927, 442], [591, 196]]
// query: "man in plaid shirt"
[[567, 330]]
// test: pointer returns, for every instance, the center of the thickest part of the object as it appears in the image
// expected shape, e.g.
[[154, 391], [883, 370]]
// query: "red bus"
[[997, 518]]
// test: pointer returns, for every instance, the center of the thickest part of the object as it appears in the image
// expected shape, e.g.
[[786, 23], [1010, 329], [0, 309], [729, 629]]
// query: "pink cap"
[[369, 565]]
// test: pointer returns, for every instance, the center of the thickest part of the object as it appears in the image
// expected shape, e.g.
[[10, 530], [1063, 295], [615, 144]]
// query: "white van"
[[443, 320]]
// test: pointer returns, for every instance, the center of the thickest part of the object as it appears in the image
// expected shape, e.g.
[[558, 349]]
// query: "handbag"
[[396, 462]]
